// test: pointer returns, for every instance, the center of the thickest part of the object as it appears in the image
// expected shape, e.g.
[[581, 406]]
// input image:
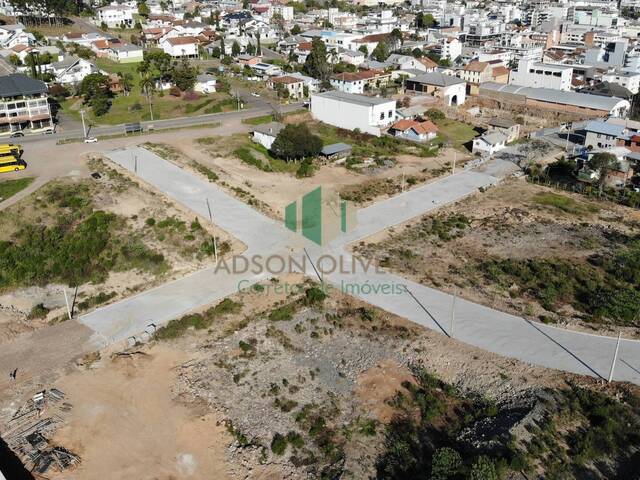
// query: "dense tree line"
[[53, 12]]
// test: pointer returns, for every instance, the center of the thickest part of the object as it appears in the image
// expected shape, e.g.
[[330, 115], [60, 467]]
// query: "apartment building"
[[115, 16], [24, 104]]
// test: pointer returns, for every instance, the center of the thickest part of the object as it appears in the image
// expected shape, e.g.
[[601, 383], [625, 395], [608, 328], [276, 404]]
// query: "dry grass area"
[[524, 249], [302, 385], [149, 240]]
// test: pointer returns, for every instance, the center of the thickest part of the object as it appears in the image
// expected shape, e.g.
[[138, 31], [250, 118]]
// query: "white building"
[[489, 143], [351, 112], [542, 75], [628, 80], [285, 11], [266, 134], [115, 16], [180, 46], [125, 53], [205, 83], [72, 70]]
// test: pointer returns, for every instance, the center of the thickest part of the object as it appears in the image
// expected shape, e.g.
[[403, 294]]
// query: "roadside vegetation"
[[8, 188]]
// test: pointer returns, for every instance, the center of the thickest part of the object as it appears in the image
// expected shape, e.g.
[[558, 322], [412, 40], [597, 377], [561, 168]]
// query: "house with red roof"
[[414, 130]]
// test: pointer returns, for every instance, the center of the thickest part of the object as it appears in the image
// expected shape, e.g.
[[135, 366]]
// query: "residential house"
[[414, 130], [24, 104], [449, 48], [266, 134], [452, 90], [125, 53], [246, 59], [116, 15], [602, 135], [352, 57], [628, 80], [359, 82], [353, 112], [505, 126], [489, 143], [180, 46], [15, 34], [475, 73], [72, 70], [292, 85], [102, 47], [266, 69], [205, 83], [405, 62]]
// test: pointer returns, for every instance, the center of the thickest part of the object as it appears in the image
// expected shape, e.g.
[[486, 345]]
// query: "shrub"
[[445, 463], [38, 311], [314, 296], [278, 444]]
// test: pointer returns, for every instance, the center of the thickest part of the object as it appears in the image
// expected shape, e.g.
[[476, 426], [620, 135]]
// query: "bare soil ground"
[[515, 221], [162, 226], [322, 375]]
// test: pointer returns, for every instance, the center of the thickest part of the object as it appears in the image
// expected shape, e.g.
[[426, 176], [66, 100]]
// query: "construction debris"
[[29, 428]]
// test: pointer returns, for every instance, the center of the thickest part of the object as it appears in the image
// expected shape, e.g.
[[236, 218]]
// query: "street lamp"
[[84, 130]]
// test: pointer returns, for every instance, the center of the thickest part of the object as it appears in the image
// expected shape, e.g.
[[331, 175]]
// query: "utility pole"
[[615, 358], [453, 167], [453, 312], [151, 108], [215, 245], [84, 130], [135, 164], [66, 301]]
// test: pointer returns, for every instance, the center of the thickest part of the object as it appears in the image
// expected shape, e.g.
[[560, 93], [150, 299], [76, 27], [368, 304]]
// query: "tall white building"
[[542, 75]]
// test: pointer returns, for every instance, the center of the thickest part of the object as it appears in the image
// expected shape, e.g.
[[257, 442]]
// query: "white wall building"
[[350, 111], [115, 15], [628, 80], [180, 46], [542, 75]]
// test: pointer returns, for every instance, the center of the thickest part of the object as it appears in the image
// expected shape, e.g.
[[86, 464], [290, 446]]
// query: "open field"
[[303, 384], [528, 250], [105, 234]]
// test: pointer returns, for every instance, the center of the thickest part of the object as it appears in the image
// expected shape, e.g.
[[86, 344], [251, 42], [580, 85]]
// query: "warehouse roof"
[[584, 100], [354, 99], [436, 78]]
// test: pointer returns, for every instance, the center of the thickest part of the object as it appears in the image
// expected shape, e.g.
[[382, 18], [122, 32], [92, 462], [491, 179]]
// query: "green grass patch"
[[565, 203], [197, 321], [258, 120], [8, 188], [245, 154]]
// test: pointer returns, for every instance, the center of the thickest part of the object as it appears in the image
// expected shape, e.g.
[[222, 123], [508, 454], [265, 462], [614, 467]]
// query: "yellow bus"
[[9, 163], [14, 148]]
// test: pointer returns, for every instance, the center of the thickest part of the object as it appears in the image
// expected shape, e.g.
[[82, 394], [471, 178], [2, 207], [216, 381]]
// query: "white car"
[[255, 94], [90, 140]]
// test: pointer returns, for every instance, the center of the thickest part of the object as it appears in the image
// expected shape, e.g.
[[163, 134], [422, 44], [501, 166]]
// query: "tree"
[[235, 48], [258, 47], [184, 75], [364, 49], [417, 53], [381, 52], [483, 469], [295, 30], [602, 163], [295, 142], [316, 64], [435, 115], [445, 463], [215, 52], [94, 89], [15, 60], [425, 20], [278, 20], [143, 9], [223, 52], [126, 81], [395, 39], [251, 49]]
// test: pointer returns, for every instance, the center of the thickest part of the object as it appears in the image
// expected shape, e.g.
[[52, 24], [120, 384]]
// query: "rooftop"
[[17, 84], [354, 99], [437, 78], [271, 128]]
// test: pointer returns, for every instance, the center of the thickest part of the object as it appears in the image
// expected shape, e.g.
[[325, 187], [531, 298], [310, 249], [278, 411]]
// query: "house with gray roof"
[[266, 133], [452, 90]]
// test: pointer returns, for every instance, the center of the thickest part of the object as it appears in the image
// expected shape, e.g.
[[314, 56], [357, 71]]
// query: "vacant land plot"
[[106, 235], [311, 385], [136, 107], [528, 250]]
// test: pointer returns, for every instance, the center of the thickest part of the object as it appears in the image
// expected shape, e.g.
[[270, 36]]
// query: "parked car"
[[90, 140], [255, 94], [17, 134]]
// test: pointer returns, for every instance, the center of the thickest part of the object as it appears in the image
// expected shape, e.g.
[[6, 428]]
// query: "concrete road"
[[169, 123], [475, 324]]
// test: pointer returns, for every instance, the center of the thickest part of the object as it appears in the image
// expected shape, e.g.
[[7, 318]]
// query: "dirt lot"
[[493, 247], [272, 191], [157, 226], [296, 386]]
